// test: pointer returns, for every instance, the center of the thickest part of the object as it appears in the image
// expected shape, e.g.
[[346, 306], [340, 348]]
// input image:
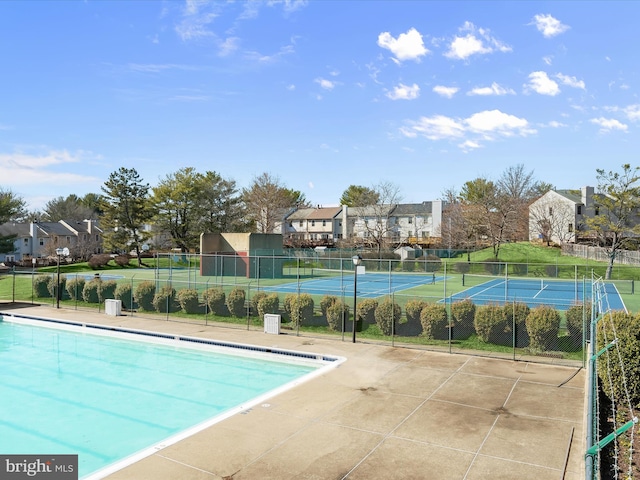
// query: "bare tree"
[[375, 221], [267, 202]]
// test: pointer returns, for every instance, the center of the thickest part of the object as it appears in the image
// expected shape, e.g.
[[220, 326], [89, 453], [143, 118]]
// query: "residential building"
[[559, 216], [41, 239], [312, 227]]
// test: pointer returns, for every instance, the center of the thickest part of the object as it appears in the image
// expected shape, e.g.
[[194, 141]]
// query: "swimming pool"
[[105, 396]]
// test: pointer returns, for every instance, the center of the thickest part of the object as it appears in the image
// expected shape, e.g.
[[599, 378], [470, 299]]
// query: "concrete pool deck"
[[384, 413]]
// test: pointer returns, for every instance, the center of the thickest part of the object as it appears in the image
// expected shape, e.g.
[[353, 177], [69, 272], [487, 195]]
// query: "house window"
[[313, 223], [41, 242], [570, 227], [68, 240], [410, 220], [26, 242], [410, 233], [300, 222], [597, 211], [290, 224], [97, 238], [550, 210], [324, 223], [579, 210]]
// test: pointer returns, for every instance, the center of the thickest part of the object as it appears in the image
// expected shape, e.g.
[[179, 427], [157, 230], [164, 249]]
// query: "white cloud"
[[404, 92], [325, 84], [494, 89], [437, 127], [540, 83], [469, 145], [291, 87], [548, 59], [632, 112], [477, 42], [289, 5], [195, 23], [549, 26], [32, 169], [492, 122], [443, 91], [608, 124], [570, 81], [229, 46], [408, 46], [488, 125], [556, 124]]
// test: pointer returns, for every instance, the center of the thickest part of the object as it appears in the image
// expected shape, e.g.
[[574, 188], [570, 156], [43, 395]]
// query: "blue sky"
[[320, 94]]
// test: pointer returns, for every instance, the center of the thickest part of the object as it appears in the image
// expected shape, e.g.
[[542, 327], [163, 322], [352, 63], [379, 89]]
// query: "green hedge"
[[543, 324], [235, 302], [387, 315], [435, 321]]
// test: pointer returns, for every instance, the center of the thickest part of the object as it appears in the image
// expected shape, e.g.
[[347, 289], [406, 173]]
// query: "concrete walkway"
[[386, 413]]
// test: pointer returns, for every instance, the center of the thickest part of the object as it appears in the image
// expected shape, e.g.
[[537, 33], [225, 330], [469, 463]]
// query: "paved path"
[[386, 413]]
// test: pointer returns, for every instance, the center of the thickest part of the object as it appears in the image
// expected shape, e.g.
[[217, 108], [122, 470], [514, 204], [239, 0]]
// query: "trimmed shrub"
[[235, 302], [366, 310], [214, 298], [122, 260], [188, 300], [75, 286], [575, 322], [302, 309], [164, 301], [99, 260], [490, 323], [124, 293], [543, 323], [41, 286], [387, 315], [143, 295], [462, 318], [624, 371], [268, 304], [335, 313], [408, 265], [462, 267], [107, 289], [432, 263], [53, 285], [255, 300], [435, 322], [517, 313], [286, 305], [413, 308], [91, 291], [326, 302]]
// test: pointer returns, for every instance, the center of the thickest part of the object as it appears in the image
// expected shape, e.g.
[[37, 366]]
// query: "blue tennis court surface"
[[534, 292], [370, 285]]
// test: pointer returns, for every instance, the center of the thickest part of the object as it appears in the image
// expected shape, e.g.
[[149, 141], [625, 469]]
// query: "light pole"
[[356, 261], [59, 253]]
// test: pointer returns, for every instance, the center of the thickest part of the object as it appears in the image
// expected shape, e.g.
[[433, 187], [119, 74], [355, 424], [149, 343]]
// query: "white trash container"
[[272, 323], [113, 307]]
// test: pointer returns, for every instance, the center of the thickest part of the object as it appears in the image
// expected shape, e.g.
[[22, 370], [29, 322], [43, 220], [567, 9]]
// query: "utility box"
[[113, 307], [272, 323]]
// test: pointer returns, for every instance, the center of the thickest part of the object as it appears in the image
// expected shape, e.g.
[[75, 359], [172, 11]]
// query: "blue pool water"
[[106, 398]]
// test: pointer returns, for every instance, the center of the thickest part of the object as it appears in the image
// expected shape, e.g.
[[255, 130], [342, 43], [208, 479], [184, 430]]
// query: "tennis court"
[[370, 285], [560, 294]]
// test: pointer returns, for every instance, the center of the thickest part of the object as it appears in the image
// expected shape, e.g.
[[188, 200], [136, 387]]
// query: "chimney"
[[587, 196]]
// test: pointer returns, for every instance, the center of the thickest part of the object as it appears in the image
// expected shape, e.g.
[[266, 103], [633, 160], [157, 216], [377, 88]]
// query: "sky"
[[425, 95]]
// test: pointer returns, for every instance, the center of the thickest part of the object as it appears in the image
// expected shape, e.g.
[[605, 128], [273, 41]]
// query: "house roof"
[[325, 213], [53, 228], [574, 195], [424, 208], [12, 228], [300, 214], [371, 210]]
